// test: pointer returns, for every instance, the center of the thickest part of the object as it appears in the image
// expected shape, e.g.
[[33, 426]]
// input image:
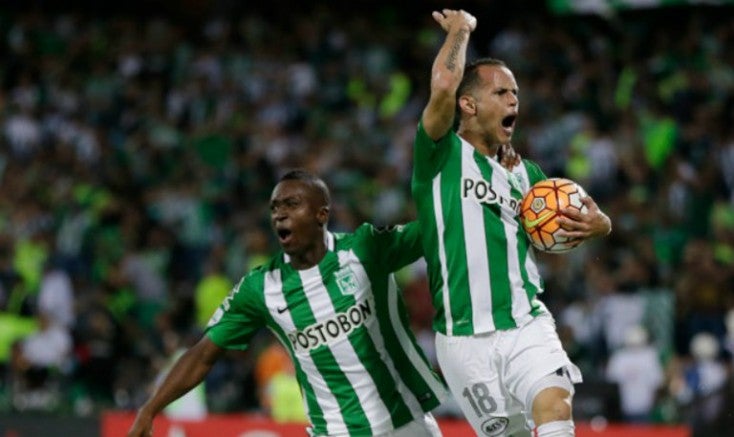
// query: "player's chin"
[[505, 135], [289, 247]]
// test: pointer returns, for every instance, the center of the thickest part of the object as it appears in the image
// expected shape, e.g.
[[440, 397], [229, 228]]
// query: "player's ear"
[[323, 215], [468, 104]]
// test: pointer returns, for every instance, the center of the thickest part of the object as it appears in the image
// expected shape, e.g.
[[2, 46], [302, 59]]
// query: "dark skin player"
[[299, 211]]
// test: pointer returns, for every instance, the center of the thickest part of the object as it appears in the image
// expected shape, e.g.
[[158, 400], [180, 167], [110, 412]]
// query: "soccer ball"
[[542, 204]]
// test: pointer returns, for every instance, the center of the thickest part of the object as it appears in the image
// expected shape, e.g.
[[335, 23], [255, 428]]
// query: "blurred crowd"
[[137, 155]]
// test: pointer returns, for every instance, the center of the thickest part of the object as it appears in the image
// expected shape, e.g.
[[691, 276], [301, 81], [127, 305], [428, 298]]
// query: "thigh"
[[470, 367], [534, 353]]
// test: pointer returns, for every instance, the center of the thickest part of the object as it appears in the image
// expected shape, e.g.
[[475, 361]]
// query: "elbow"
[[445, 83]]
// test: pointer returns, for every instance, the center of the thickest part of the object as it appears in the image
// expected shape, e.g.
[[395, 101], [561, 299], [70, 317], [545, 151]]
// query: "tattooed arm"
[[447, 71]]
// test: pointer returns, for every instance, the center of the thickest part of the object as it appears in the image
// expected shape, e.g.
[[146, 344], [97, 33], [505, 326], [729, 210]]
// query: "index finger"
[[572, 213]]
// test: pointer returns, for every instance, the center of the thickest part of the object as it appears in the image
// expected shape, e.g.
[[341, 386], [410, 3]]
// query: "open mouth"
[[284, 235], [509, 121]]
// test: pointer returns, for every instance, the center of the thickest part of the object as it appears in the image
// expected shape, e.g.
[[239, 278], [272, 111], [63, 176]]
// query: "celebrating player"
[[331, 299], [496, 342]]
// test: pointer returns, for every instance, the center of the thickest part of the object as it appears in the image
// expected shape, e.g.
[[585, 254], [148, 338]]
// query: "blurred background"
[[139, 143]]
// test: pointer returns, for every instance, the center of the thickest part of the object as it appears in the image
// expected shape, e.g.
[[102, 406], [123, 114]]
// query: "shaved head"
[[315, 183]]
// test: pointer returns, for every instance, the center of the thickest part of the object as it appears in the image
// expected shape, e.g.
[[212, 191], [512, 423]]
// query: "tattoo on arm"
[[455, 49]]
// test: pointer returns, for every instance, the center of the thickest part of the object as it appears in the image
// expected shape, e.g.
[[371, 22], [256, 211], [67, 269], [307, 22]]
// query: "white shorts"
[[494, 376]]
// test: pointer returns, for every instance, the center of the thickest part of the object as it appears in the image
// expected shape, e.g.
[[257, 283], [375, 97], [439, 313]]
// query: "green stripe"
[[496, 255], [498, 269], [384, 382], [299, 313], [523, 246], [456, 258], [428, 231], [405, 368], [315, 414], [393, 400], [352, 411], [296, 300], [386, 301]]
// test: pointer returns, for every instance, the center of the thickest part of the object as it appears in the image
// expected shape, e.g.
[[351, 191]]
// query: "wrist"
[[607, 225], [147, 412]]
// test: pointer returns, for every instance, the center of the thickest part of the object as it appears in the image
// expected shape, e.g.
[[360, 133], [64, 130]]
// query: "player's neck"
[[479, 143], [308, 257]]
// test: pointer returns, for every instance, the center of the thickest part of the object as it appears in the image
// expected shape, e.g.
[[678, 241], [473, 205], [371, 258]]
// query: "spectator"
[[56, 296], [38, 361], [699, 386], [636, 368]]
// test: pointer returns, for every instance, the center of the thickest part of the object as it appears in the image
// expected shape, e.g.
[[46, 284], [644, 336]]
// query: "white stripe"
[[531, 267], [522, 175], [374, 331], [440, 228], [475, 240], [520, 304], [329, 406], [408, 346], [344, 354], [284, 342], [274, 298], [329, 241]]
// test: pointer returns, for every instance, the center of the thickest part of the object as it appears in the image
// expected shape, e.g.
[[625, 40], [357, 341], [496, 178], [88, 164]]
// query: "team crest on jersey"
[[514, 181], [347, 281]]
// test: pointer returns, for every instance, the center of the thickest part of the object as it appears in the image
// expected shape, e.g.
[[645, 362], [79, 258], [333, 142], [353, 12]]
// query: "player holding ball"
[[496, 342]]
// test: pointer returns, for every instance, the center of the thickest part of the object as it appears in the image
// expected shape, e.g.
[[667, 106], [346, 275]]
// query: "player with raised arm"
[[332, 300], [496, 342]]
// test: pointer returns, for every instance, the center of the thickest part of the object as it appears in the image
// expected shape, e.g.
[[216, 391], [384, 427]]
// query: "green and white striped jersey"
[[482, 270], [345, 325]]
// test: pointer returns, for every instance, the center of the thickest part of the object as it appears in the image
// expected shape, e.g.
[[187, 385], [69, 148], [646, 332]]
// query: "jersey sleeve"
[[239, 316], [428, 155], [535, 174], [394, 246]]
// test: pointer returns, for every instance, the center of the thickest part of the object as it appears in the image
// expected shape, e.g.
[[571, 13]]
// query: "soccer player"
[[332, 300], [496, 342]]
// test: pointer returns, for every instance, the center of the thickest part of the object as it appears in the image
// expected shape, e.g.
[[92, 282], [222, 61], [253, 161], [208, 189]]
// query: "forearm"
[[448, 67], [446, 74], [186, 373]]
